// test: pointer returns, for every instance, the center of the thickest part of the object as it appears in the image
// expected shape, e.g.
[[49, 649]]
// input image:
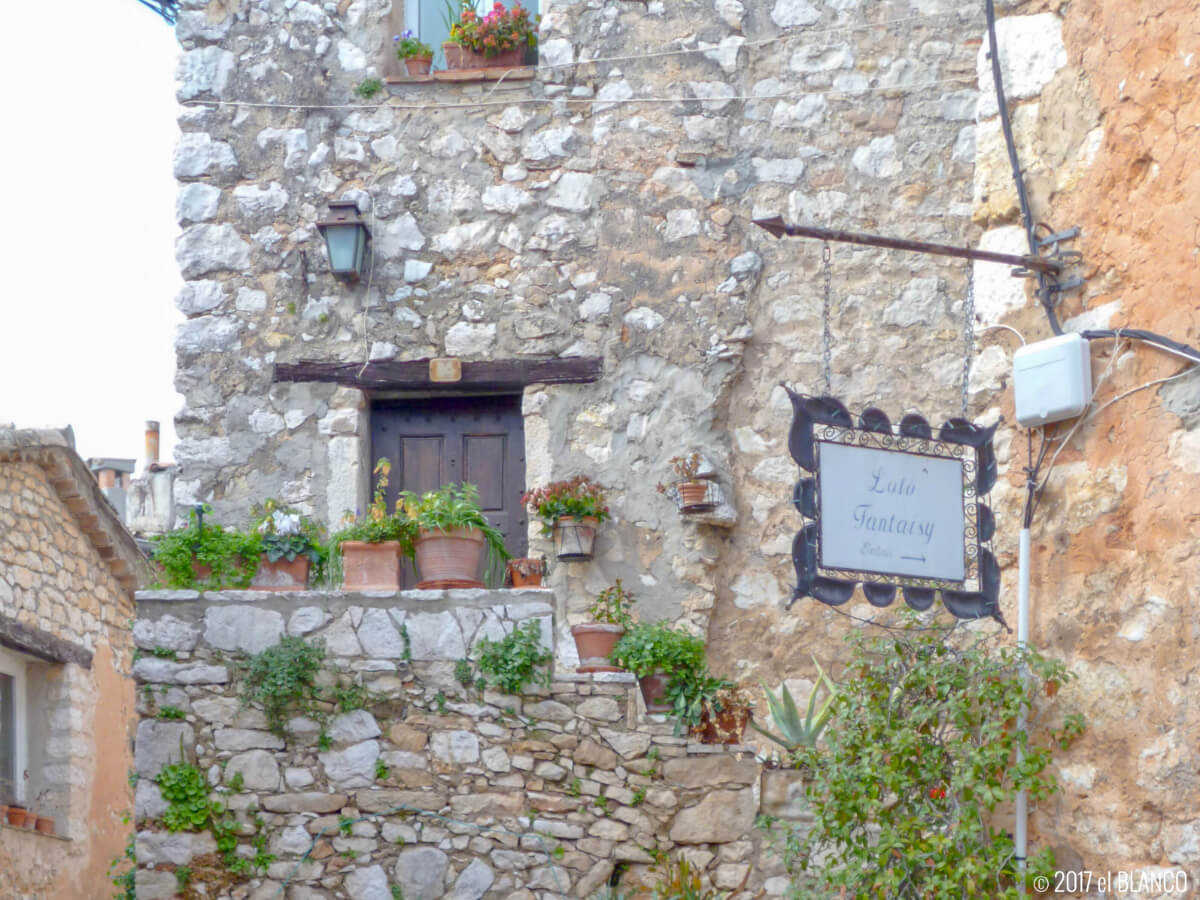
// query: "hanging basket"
[[573, 538]]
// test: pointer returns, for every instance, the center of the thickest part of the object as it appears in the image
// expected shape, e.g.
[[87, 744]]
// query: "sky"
[[87, 316]]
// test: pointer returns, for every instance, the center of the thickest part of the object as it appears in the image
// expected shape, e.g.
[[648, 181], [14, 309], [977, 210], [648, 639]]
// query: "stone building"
[[581, 239], [68, 570]]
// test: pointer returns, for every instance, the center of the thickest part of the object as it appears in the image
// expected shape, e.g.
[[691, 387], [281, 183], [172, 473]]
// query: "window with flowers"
[[486, 26]]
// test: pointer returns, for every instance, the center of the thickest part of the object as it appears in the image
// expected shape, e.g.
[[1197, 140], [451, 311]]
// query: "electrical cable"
[[1186, 351], [613, 101], [1015, 163]]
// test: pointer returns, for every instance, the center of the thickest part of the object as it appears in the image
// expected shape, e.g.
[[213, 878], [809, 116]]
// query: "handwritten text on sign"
[[891, 512]]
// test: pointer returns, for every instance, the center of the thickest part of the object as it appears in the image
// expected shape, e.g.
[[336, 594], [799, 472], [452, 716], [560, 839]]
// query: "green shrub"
[[514, 661], [232, 555], [652, 647], [919, 754]]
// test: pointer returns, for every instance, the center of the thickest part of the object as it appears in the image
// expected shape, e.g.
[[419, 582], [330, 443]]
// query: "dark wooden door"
[[479, 440]]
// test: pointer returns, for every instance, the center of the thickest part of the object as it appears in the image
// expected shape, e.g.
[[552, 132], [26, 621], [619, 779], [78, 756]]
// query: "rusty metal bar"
[[779, 228]]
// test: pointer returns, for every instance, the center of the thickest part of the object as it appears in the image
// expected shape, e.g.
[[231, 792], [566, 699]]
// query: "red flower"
[[937, 793]]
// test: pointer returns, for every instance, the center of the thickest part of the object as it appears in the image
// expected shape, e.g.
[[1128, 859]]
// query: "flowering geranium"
[[409, 45], [500, 30], [579, 498]]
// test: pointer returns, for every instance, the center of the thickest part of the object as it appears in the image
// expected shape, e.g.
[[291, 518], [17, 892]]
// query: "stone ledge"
[[519, 73], [34, 831]]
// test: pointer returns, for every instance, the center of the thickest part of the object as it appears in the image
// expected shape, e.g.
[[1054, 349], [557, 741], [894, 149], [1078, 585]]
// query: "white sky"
[[87, 313]]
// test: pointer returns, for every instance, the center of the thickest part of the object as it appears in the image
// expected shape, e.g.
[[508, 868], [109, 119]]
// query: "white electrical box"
[[1052, 380]]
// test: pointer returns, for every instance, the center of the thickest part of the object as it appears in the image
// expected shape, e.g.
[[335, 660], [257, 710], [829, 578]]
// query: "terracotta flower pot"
[[45, 825], [574, 538], [692, 496], [15, 816], [726, 727], [525, 572], [371, 567], [458, 57], [654, 690], [595, 642], [282, 575], [30, 822], [418, 65], [449, 559]]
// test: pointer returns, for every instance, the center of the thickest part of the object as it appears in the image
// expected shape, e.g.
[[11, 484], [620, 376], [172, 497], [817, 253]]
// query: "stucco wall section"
[[1109, 143], [51, 578]]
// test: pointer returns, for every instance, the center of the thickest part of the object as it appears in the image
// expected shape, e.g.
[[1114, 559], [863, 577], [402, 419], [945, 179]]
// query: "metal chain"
[[968, 335], [827, 335]]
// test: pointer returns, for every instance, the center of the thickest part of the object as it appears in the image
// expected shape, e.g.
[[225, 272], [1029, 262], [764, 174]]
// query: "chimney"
[[151, 444]]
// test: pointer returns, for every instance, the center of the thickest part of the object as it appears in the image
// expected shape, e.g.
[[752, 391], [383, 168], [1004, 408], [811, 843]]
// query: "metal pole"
[[779, 228], [1020, 838]]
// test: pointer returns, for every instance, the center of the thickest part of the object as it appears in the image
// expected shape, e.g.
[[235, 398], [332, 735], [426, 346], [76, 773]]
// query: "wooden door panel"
[[437, 440], [421, 465]]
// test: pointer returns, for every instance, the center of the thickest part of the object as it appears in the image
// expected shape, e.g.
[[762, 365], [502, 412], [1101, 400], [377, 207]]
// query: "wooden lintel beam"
[[499, 374]]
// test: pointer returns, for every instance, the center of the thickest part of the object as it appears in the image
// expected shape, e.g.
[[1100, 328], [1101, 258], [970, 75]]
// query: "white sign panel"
[[891, 512]]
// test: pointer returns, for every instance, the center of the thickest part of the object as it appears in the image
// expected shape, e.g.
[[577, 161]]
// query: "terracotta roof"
[[54, 450]]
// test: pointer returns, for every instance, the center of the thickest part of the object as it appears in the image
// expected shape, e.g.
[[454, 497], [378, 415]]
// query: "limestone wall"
[[444, 790], [55, 587], [602, 209]]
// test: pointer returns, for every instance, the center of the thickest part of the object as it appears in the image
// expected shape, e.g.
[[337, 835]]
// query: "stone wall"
[[59, 597], [600, 209], [452, 791]]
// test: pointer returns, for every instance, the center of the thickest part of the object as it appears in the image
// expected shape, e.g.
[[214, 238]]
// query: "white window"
[[430, 19], [14, 727]]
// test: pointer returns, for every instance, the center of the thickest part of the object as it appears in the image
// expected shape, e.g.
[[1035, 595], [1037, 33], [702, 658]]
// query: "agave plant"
[[794, 731]]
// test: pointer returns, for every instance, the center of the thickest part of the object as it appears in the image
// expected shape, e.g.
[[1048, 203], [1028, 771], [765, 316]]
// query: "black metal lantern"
[[346, 238]]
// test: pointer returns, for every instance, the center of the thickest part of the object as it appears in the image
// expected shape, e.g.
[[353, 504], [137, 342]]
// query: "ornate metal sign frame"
[[824, 420]]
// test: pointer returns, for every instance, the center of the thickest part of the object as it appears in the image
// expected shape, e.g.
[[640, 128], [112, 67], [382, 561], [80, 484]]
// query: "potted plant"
[[15, 815], [371, 546], [660, 656], [416, 55], [525, 571], [610, 619], [690, 488], [291, 546], [724, 715], [451, 534], [570, 511], [206, 556], [499, 39]]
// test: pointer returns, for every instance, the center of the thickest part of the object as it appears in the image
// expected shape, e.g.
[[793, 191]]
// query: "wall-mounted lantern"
[[346, 237]]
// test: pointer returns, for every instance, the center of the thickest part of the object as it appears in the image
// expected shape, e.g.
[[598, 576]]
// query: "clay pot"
[[574, 538], [15, 816], [458, 57], [418, 65], [45, 825], [654, 689], [525, 572], [30, 822], [449, 558], [726, 727], [595, 642], [282, 575], [692, 496], [371, 567]]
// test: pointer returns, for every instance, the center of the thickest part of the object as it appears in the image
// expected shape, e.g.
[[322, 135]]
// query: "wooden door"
[[437, 440]]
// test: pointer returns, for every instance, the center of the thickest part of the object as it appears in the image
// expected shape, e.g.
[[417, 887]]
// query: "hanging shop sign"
[[893, 509]]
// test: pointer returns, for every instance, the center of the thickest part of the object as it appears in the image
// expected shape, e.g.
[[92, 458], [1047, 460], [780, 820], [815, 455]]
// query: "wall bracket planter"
[[574, 538]]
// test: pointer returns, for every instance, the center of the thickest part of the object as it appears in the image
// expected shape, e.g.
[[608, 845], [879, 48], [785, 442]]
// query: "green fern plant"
[[795, 732]]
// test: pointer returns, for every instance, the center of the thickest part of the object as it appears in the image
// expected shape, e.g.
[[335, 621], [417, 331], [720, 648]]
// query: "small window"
[[14, 728], [430, 20]]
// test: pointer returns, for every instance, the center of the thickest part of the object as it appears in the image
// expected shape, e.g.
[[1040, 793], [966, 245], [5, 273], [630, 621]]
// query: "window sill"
[[58, 837], [523, 73]]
